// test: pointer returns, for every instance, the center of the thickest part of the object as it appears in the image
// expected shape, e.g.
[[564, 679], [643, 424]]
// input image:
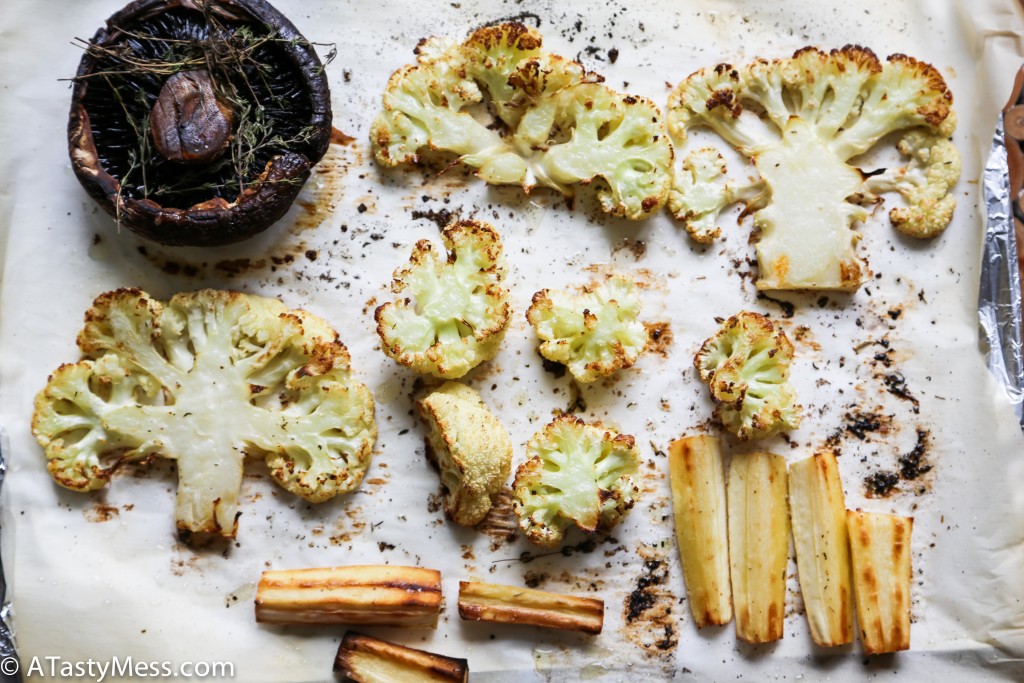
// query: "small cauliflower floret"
[[454, 311], [470, 447], [561, 126], [924, 183], [700, 193], [593, 333], [801, 121], [203, 380], [746, 366], [576, 473]]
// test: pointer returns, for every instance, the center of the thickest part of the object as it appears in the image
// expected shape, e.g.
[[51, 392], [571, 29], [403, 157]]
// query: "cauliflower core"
[[814, 113], [746, 366], [576, 473], [559, 126], [205, 379], [470, 447], [593, 333], [455, 311]]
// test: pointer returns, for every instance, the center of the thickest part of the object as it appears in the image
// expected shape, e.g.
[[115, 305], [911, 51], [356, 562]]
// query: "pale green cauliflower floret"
[[924, 183], [576, 473], [454, 311], [204, 380], [564, 128], [700, 193], [612, 137], [802, 121], [470, 447], [746, 366], [425, 106], [594, 332]]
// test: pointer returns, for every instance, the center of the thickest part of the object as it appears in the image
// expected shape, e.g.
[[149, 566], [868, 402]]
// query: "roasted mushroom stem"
[[189, 122]]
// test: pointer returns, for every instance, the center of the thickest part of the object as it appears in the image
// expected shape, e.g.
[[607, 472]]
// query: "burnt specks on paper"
[[911, 466], [648, 612]]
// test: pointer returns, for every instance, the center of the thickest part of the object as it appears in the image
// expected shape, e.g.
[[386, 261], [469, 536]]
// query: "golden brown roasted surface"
[[804, 122], [364, 659], [382, 595], [697, 476], [186, 593], [820, 535], [758, 544], [205, 379], [470, 448], [880, 548], [515, 605]]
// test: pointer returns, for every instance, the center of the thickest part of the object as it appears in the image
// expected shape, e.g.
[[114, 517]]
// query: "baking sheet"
[[100, 576]]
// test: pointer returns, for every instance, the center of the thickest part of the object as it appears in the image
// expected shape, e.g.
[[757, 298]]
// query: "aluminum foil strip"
[[7, 651], [999, 300]]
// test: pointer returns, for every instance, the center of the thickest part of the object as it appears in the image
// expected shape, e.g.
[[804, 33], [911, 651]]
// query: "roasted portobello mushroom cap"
[[196, 122]]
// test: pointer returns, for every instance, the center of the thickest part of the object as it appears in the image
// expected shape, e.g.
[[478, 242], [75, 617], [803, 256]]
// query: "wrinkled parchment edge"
[[999, 298]]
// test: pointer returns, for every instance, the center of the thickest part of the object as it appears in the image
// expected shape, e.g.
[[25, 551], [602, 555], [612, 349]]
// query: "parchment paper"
[[98, 576]]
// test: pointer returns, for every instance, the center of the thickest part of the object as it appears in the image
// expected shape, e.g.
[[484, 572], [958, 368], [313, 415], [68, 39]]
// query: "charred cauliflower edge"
[[746, 366], [594, 332]]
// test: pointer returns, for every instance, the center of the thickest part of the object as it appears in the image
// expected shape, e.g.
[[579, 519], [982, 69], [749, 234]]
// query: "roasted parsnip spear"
[[368, 660], [758, 544], [376, 594], [880, 546], [822, 547], [698, 500], [514, 605]]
